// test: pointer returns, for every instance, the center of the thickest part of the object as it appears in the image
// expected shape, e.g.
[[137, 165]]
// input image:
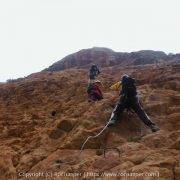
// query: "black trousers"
[[134, 104]]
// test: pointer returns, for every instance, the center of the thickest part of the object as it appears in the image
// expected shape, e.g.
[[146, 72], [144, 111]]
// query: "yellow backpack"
[[116, 86]]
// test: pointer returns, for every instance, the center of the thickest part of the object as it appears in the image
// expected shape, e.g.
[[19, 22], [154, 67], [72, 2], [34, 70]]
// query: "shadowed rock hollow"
[[45, 118]]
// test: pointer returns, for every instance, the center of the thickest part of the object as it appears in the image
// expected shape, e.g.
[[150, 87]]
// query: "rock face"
[[105, 57], [45, 118]]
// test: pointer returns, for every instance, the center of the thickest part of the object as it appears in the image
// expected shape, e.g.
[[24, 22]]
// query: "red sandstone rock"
[[33, 140]]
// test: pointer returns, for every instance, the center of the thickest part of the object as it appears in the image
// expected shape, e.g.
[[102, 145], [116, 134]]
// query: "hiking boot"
[[154, 128]]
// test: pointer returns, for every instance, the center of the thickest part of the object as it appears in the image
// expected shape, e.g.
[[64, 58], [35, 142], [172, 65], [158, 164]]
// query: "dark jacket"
[[94, 71]]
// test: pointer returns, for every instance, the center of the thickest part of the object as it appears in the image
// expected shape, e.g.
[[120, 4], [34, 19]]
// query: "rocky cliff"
[[105, 57], [45, 118]]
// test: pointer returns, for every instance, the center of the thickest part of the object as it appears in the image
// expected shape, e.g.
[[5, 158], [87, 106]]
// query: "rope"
[[95, 136], [89, 137]]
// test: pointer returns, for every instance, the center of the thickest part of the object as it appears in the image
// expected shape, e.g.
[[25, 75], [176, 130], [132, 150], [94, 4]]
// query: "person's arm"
[[98, 70]]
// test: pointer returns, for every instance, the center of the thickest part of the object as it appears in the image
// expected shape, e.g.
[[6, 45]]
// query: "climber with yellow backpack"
[[129, 100]]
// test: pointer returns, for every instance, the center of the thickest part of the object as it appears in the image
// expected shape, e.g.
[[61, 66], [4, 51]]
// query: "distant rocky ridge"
[[105, 57]]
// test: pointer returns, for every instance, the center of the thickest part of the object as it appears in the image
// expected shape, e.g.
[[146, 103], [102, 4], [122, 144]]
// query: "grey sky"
[[36, 33]]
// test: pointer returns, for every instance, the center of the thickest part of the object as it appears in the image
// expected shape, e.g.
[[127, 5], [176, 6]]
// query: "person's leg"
[[143, 116], [117, 112]]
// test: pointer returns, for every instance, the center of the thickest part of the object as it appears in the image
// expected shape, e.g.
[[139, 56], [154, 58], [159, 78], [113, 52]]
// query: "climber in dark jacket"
[[130, 100], [93, 72], [94, 91]]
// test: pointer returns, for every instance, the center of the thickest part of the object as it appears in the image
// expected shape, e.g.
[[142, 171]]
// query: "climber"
[[93, 72], [130, 100], [94, 91]]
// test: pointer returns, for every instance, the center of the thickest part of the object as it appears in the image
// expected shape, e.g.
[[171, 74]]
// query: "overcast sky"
[[36, 33]]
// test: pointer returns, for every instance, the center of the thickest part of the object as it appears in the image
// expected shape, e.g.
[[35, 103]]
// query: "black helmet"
[[124, 77]]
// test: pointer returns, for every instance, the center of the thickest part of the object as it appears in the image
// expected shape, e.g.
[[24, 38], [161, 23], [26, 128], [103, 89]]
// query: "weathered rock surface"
[[45, 118]]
